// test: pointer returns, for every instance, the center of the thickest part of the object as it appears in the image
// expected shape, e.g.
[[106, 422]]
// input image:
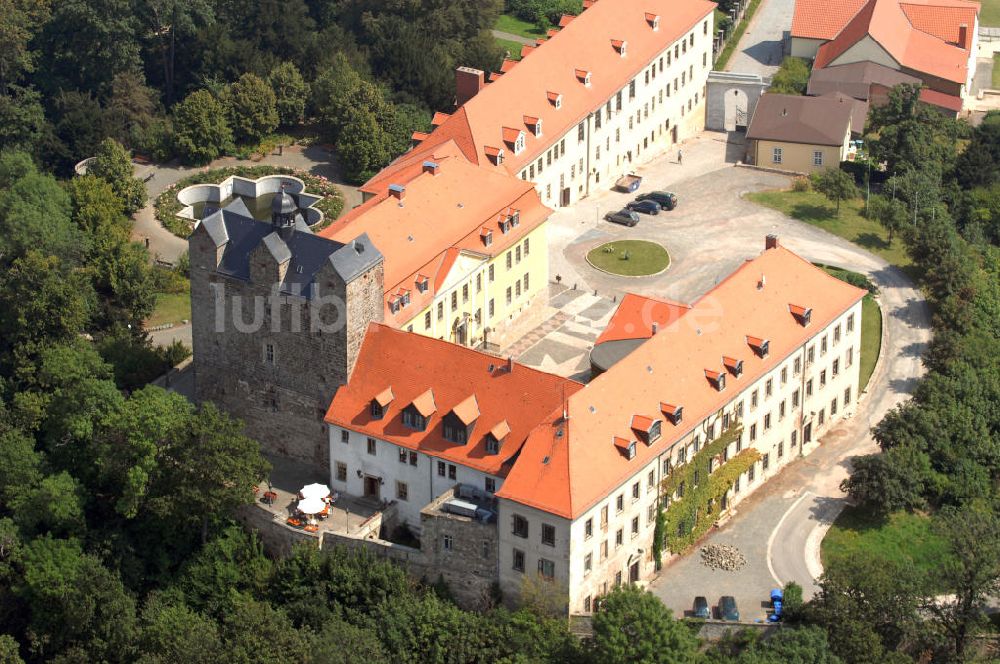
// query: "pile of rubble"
[[723, 557]]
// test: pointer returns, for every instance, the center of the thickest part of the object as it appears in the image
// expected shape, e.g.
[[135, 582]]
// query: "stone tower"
[[278, 316]]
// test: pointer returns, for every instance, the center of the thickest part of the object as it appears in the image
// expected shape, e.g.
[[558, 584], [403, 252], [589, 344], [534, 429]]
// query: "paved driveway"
[[760, 50], [710, 233]]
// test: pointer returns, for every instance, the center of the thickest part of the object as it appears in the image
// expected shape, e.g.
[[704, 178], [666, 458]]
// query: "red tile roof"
[[439, 376], [567, 467], [941, 18], [822, 19], [636, 315]]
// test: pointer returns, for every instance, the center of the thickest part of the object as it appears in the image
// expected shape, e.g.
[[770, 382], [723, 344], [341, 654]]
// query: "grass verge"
[[996, 69], [630, 258], [903, 538], [734, 39], [515, 26], [512, 47], [871, 323], [170, 308], [989, 13], [813, 208]]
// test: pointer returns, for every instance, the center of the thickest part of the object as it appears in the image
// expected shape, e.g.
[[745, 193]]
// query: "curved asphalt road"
[[711, 232]]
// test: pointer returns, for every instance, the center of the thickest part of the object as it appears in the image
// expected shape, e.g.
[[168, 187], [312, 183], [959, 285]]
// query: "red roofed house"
[[562, 480], [933, 40]]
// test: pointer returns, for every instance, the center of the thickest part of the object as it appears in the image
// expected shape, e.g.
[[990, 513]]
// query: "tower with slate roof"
[[278, 316]]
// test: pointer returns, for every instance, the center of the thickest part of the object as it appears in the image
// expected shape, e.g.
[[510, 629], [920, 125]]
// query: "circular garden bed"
[[167, 206], [630, 258]]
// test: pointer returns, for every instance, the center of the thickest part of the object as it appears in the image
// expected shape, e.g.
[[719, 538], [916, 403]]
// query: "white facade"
[[663, 105]]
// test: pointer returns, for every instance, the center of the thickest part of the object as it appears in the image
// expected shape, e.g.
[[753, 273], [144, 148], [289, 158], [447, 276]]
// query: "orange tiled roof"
[[636, 315], [888, 25], [585, 45], [942, 18], [501, 430], [424, 403], [822, 19], [467, 411], [567, 467], [522, 397], [384, 398], [440, 216]]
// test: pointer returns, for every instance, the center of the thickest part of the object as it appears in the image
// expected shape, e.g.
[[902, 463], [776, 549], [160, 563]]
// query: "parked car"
[[777, 604], [666, 199], [727, 608], [645, 207], [623, 217], [701, 608]]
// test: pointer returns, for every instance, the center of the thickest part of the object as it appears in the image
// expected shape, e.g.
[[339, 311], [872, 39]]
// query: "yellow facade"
[[799, 157], [473, 306]]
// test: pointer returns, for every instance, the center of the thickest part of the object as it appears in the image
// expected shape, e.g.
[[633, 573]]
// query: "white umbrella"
[[315, 491], [311, 505]]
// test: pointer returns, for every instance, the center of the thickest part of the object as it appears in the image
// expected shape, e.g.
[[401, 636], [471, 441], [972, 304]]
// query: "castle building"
[[574, 473]]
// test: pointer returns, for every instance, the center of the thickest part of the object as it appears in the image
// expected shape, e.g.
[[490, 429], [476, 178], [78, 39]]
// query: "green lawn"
[[989, 13], [512, 47], [813, 208], [170, 308], [514, 25], [871, 325], [630, 258], [903, 538], [996, 69]]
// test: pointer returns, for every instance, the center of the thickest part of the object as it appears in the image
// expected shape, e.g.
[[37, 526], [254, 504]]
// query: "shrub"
[[800, 184]]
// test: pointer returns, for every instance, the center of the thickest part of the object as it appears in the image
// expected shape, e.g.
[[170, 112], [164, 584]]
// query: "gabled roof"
[[567, 467], [467, 411], [420, 366], [630, 325], [822, 19], [424, 403], [810, 120], [855, 79], [885, 22], [942, 18]]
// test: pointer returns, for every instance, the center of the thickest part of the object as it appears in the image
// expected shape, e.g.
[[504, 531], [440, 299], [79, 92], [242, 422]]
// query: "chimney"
[[963, 36], [771, 242], [468, 83], [430, 167], [510, 364], [397, 191]]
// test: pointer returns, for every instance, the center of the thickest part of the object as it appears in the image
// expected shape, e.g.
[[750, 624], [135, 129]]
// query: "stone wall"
[[278, 539]]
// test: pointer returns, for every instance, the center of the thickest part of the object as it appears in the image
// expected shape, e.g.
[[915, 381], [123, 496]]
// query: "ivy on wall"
[[689, 516]]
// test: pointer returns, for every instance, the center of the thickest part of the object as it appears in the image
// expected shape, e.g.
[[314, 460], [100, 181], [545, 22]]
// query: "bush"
[[800, 184], [201, 131], [252, 108], [792, 78]]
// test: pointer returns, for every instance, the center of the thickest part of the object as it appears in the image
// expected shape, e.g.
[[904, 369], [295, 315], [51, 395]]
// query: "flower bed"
[[167, 206]]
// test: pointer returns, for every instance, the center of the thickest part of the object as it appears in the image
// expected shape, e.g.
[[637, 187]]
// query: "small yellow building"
[[803, 134]]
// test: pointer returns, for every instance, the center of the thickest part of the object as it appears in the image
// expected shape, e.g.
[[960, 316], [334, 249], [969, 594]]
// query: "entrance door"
[[807, 434], [371, 487], [564, 197], [461, 333], [633, 572]]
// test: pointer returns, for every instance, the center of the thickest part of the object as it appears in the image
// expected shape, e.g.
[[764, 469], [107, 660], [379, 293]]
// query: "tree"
[[633, 625], [10, 651], [113, 164], [54, 506], [20, 465], [340, 642], [173, 632], [835, 184], [971, 570], [22, 118], [20, 21], [201, 130], [792, 78], [909, 135], [888, 212], [332, 93], [251, 105], [364, 147], [131, 111], [975, 167], [227, 570], [78, 129], [290, 92], [257, 632], [799, 645], [168, 19]]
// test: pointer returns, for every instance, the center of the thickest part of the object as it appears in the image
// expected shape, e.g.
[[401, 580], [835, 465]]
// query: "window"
[[822, 378], [753, 432], [465, 293], [809, 387], [520, 526], [492, 273], [751, 472], [526, 246], [849, 359], [518, 560], [635, 526], [581, 130], [525, 282], [345, 436], [509, 297], [817, 157], [588, 563], [768, 387], [587, 604], [795, 438], [441, 468], [371, 446], [619, 504], [427, 320], [454, 300], [784, 375], [604, 550], [455, 433], [850, 323], [822, 345], [413, 458], [847, 396], [588, 528], [765, 462], [835, 369], [269, 353], [836, 334], [833, 407], [753, 399], [546, 568], [797, 366], [491, 308], [402, 456], [776, 156], [604, 518], [414, 420], [451, 471], [548, 534], [402, 491], [490, 485], [767, 422], [821, 417], [341, 471], [781, 449], [517, 254], [441, 310], [631, 90], [635, 492], [651, 480], [811, 354], [619, 538], [781, 410]]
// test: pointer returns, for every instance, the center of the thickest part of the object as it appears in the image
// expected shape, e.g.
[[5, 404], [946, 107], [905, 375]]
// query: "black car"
[[727, 608], [666, 199], [701, 608], [624, 217], [646, 207]]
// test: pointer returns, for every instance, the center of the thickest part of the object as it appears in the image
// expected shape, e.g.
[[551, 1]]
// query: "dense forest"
[[116, 537]]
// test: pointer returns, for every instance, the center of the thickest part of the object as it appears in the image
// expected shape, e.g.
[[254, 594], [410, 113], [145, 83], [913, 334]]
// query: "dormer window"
[[494, 154], [625, 446], [620, 45], [802, 314], [496, 436], [514, 218], [647, 428], [717, 378], [653, 20], [519, 143], [535, 124], [583, 76], [380, 403], [555, 99], [538, 127], [487, 237], [416, 415], [675, 414], [734, 366], [404, 298], [394, 304], [761, 347], [423, 283], [505, 224]]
